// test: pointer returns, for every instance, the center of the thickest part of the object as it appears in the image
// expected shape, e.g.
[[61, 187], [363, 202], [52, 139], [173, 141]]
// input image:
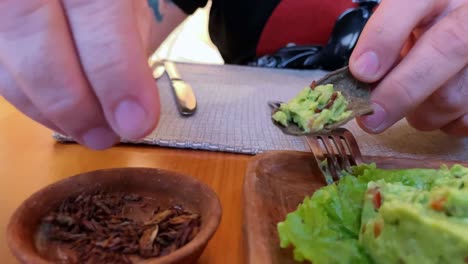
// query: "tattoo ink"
[[154, 4]]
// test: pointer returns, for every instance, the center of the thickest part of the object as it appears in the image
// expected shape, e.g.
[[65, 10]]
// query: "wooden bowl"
[[276, 182], [168, 188]]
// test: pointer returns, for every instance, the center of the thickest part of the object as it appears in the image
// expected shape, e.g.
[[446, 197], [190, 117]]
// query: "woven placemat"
[[233, 116]]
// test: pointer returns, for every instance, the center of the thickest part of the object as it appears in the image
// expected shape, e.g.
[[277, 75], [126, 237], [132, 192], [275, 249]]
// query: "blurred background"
[[190, 42]]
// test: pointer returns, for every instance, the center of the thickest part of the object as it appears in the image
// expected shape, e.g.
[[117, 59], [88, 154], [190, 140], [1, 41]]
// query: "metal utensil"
[[185, 98], [158, 69], [357, 94], [335, 149], [335, 152]]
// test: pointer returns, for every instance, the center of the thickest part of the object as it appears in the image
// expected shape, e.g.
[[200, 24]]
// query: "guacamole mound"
[[313, 108], [383, 216]]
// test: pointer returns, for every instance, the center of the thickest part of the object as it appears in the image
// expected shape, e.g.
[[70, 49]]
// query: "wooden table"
[[30, 159]]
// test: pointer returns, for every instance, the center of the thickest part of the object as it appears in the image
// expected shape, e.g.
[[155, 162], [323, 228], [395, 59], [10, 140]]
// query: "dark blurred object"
[[335, 54]]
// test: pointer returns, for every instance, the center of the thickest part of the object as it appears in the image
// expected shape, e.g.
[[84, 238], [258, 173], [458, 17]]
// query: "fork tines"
[[335, 152]]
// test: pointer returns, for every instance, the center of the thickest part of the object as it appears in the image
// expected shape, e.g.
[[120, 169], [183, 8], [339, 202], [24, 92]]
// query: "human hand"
[[417, 51], [80, 67]]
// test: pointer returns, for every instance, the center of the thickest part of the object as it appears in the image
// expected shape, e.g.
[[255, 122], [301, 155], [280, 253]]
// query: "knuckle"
[[113, 65], [59, 106], [451, 41], [453, 96], [19, 18], [23, 8], [447, 103], [407, 84]]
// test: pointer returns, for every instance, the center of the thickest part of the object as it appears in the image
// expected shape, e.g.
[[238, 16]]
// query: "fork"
[[335, 152]]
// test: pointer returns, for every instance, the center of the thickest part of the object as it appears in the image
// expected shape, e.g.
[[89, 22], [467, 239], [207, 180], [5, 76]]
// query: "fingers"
[[438, 55], [36, 46], [385, 34], [444, 106], [114, 59]]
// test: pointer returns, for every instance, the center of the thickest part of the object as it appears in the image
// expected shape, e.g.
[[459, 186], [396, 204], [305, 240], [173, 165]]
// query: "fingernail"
[[130, 118], [375, 121], [367, 65], [99, 138]]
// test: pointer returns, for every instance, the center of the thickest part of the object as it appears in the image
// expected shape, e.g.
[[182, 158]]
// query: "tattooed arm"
[[167, 16]]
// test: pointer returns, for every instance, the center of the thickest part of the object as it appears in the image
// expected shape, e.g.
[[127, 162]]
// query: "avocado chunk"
[[314, 108]]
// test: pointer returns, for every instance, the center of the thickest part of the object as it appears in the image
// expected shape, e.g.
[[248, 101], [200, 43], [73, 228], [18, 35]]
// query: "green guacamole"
[[383, 216], [313, 108]]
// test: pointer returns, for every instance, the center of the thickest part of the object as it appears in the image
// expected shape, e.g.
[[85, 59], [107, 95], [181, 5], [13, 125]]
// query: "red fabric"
[[300, 22]]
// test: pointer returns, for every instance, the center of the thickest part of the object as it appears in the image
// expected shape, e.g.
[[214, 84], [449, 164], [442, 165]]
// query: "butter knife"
[[185, 98], [157, 67]]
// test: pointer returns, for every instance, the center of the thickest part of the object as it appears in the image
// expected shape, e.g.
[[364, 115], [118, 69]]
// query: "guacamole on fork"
[[383, 216], [314, 108]]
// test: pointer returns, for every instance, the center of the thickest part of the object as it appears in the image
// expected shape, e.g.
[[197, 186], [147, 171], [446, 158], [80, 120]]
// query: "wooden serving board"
[[275, 183]]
